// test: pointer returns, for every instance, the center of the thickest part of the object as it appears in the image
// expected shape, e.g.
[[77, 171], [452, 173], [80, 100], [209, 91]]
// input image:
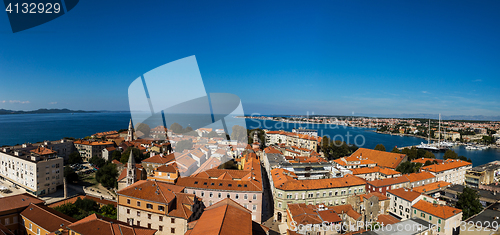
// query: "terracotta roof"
[[224, 218], [18, 202], [388, 171], [160, 159], [99, 225], [155, 191], [446, 165], [431, 186], [381, 197], [170, 168], [404, 193], [212, 162], [414, 177], [441, 211], [293, 184], [183, 206], [85, 142], [388, 181], [382, 158], [346, 209], [43, 151], [387, 219], [47, 218], [271, 150], [248, 179], [311, 214]]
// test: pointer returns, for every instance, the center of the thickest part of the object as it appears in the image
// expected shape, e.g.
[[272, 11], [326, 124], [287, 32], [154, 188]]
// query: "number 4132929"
[[33, 8]]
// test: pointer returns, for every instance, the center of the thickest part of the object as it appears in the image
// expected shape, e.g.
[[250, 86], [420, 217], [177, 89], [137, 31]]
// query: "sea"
[[31, 128]]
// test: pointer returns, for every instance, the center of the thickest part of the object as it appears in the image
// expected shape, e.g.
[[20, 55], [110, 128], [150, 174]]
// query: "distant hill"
[[5, 111]]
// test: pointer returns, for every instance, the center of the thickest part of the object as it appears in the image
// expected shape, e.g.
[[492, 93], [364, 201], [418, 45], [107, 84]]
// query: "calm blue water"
[[18, 129]]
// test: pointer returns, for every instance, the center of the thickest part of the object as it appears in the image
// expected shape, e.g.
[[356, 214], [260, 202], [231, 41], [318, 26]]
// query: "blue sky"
[[289, 57]]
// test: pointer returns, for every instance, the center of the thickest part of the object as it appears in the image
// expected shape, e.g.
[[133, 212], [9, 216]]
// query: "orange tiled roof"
[[381, 197], [414, 177], [99, 225], [154, 191], [389, 181], [441, 211], [288, 183], [387, 219], [404, 193], [18, 202], [446, 165], [346, 209], [47, 218], [224, 218], [159, 159], [43, 151], [94, 143], [271, 150], [431, 186], [382, 158]]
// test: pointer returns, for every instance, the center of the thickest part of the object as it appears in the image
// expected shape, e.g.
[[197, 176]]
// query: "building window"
[[211, 194], [246, 196], [149, 216], [37, 231], [138, 223], [138, 203], [422, 215], [149, 206], [138, 213], [149, 225], [254, 207], [255, 197], [415, 212], [172, 220], [160, 218], [172, 230], [160, 228], [30, 226], [237, 196], [439, 221], [430, 217], [161, 208], [128, 211], [220, 195]]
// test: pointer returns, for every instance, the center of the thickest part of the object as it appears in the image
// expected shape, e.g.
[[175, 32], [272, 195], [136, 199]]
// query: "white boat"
[[470, 147]]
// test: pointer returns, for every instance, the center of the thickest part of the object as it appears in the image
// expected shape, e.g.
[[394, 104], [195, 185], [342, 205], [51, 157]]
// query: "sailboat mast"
[[439, 140], [429, 133]]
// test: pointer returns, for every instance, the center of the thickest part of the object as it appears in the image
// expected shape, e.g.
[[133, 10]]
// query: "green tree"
[[176, 127], [138, 155], [380, 147], [428, 163], [212, 134], [395, 150], [109, 211], [408, 167], [144, 128], [429, 155], [239, 133], [74, 158], [106, 175], [70, 174], [116, 155], [183, 145], [97, 161], [468, 202], [261, 135], [88, 205], [450, 154]]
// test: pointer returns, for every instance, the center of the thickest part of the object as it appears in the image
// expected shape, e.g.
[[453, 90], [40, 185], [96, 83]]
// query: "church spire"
[[130, 135], [131, 177]]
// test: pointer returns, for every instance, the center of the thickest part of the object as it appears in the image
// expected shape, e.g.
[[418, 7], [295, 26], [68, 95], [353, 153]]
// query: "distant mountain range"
[[436, 116], [5, 111]]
